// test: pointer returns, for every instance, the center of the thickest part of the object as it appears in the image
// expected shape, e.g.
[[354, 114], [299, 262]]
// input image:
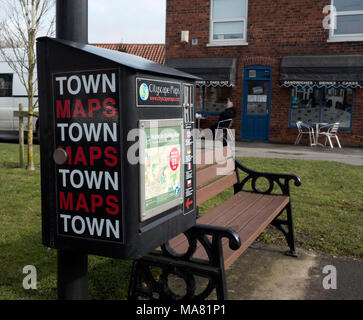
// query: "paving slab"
[[264, 272]]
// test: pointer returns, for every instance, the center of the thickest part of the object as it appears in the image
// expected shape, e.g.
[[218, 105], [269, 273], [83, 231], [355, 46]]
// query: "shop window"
[[215, 99], [228, 22], [327, 105], [346, 20], [6, 84], [211, 100], [337, 106]]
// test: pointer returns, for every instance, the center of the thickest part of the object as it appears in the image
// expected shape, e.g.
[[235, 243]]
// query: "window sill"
[[227, 43], [345, 39]]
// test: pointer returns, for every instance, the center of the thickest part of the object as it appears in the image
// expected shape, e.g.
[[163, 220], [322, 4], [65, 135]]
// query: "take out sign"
[[88, 183]]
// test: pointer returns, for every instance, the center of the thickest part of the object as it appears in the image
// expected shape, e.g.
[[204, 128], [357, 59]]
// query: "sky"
[[121, 21], [126, 21]]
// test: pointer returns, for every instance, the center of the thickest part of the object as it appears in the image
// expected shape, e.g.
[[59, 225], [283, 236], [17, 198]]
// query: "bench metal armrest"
[[213, 246], [280, 179]]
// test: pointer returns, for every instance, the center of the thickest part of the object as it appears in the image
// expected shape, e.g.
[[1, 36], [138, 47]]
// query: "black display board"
[[90, 100]]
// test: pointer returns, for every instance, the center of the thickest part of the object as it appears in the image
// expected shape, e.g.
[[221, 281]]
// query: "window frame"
[[227, 42], [333, 19], [293, 125], [10, 90]]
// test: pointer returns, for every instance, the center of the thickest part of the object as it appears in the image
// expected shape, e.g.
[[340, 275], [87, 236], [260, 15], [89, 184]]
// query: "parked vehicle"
[[12, 93]]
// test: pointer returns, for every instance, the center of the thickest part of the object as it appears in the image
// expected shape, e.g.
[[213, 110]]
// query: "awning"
[[322, 71], [214, 71]]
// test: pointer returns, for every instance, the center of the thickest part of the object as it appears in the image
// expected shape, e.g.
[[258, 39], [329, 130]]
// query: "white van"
[[12, 93]]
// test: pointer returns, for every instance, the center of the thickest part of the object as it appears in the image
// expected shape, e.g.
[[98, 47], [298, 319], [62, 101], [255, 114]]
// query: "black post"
[[72, 275], [72, 24], [72, 20]]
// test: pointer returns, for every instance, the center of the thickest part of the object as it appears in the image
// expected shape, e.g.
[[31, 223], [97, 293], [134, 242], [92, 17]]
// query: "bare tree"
[[23, 22]]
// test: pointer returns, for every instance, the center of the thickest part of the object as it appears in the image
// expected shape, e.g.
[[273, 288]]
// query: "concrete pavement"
[[353, 156], [263, 272]]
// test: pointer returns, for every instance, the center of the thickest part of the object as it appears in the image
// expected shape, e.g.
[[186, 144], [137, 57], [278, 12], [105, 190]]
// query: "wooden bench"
[[221, 234]]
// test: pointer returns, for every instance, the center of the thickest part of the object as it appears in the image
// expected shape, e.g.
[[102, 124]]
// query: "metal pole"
[[72, 24], [72, 275], [72, 20]]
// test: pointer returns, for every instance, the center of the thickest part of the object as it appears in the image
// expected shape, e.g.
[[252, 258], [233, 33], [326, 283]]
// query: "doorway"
[[256, 100]]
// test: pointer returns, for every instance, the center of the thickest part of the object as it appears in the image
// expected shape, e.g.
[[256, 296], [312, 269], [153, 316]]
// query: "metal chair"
[[225, 124], [331, 133], [304, 129]]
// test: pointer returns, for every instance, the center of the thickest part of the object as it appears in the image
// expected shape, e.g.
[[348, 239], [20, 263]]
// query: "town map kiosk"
[[117, 150]]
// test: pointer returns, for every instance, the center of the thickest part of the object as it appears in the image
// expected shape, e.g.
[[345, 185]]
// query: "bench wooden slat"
[[246, 213], [209, 173], [225, 213], [250, 232], [217, 215], [211, 156], [238, 217], [209, 191]]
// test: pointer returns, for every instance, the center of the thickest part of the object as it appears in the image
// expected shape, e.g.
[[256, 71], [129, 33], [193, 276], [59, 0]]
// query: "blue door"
[[256, 103]]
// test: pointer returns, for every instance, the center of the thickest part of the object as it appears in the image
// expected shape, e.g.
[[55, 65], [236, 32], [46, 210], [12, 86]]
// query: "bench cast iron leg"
[[289, 233]]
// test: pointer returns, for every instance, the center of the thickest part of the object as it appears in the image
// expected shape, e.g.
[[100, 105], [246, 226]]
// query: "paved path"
[[263, 272], [353, 156]]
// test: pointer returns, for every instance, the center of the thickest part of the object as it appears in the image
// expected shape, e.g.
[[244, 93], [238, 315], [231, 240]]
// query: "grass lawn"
[[327, 209]]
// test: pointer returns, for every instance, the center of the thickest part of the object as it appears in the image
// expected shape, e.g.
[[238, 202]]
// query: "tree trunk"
[[31, 39]]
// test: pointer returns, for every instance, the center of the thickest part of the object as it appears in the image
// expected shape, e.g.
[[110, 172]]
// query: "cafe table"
[[318, 126]]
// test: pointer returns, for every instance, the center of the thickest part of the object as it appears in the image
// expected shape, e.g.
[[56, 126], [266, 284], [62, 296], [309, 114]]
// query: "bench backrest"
[[215, 173]]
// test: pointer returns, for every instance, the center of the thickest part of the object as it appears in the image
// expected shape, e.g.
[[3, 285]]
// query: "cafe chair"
[[225, 125], [304, 128], [332, 132]]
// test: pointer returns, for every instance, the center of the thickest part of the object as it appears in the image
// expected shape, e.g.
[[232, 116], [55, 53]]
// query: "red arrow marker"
[[188, 203]]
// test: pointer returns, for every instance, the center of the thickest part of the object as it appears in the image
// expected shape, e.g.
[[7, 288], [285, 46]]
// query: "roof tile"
[[154, 52]]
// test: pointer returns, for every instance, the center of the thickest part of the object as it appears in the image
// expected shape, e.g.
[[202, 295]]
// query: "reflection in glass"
[[352, 24], [348, 5], [216, 98], [257, 98], [228, 30], [321, 105], [337, 106]]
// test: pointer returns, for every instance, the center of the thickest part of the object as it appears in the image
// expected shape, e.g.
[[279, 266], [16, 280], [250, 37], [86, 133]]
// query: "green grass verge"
[[327, 207], [327, 210]]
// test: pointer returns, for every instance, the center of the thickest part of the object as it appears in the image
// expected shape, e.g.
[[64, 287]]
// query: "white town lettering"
[[86, 114]]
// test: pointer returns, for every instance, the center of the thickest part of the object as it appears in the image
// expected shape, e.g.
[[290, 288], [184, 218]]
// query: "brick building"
[[278, 61]]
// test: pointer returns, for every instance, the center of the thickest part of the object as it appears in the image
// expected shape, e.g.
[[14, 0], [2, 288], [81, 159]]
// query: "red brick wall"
[[275, 28]]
